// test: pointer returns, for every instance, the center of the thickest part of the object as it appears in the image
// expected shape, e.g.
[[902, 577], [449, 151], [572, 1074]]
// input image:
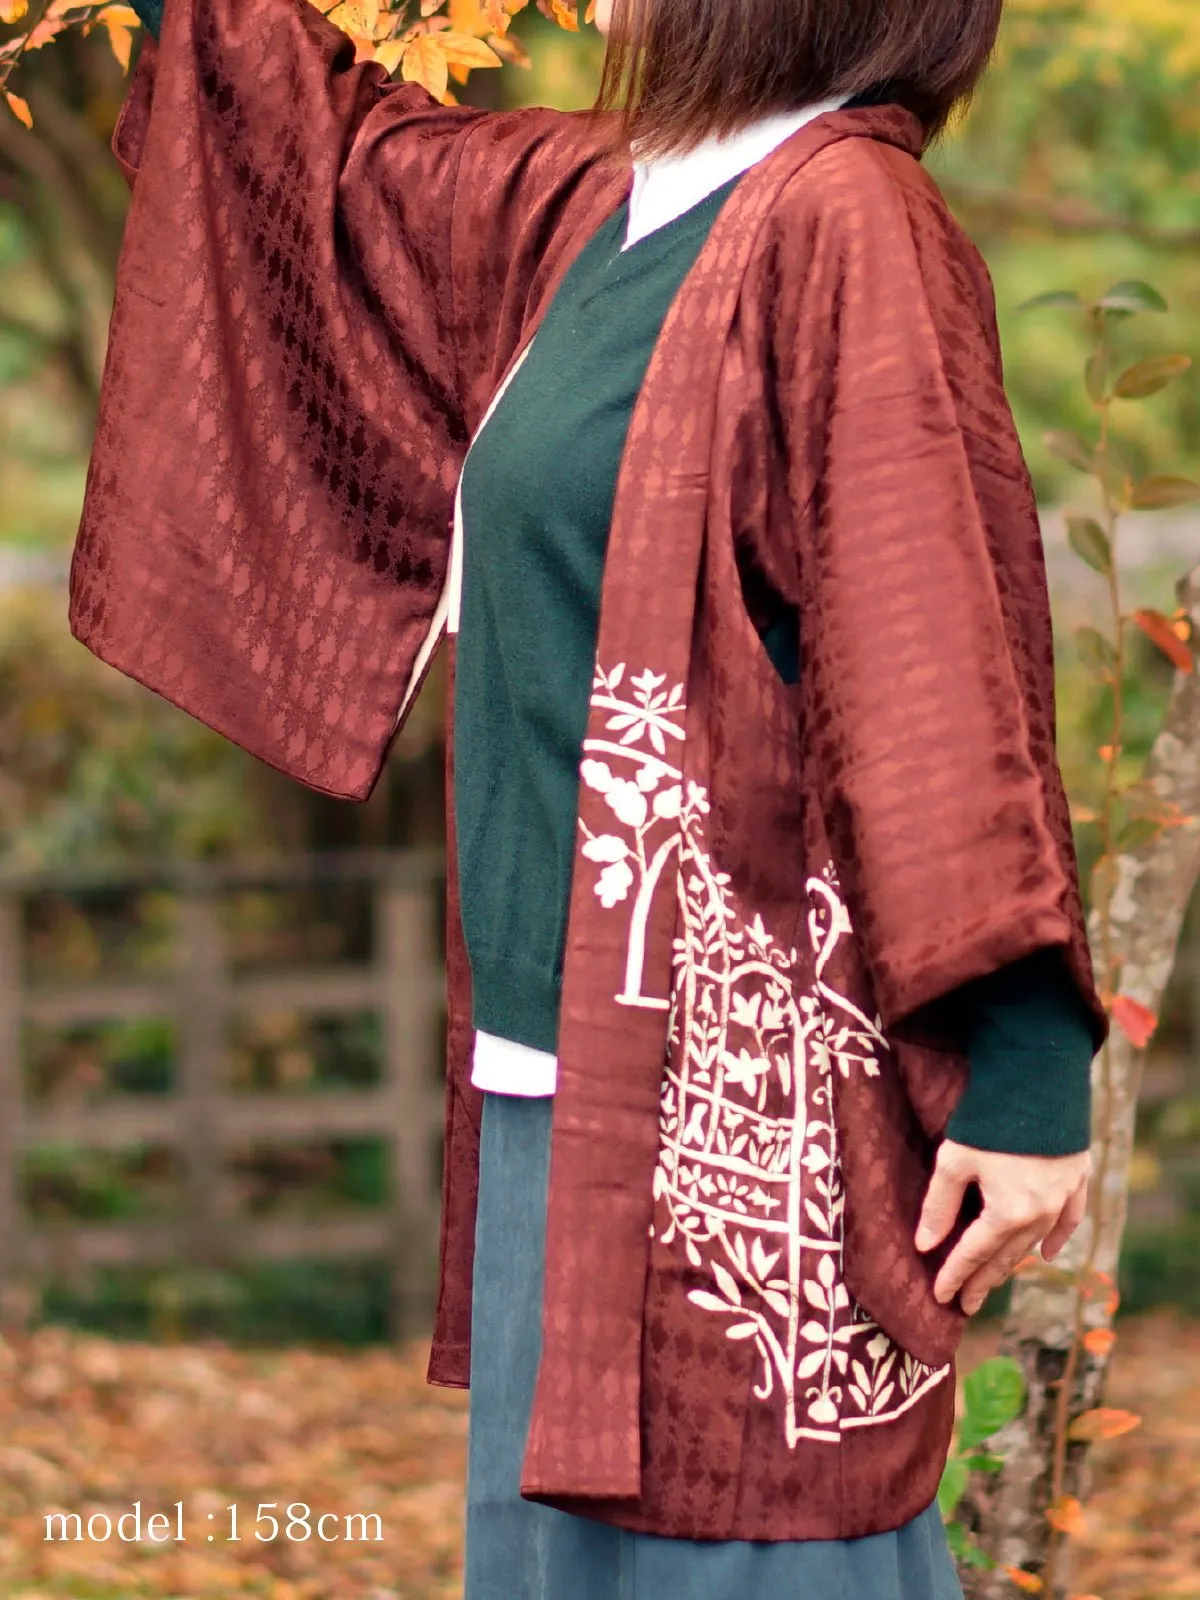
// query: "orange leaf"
[[13, 10], [478, 17], [590, 14], [1159, 631], [460, 50], [425, 64], [563, 12], [119, 22], [1099, 1341], [1065, 1515], [1028, 1581], [19, 108], [1104, 1423], [1108, 752], [1136, 1021], [390, 54], [509, 48]]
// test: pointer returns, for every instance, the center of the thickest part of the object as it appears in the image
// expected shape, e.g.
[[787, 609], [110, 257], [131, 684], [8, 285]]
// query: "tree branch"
[[1007, 208], [1154, 885]]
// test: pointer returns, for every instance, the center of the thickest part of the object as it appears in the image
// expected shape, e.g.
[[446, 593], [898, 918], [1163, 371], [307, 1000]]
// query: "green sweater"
[[533, 564], [530, 612]]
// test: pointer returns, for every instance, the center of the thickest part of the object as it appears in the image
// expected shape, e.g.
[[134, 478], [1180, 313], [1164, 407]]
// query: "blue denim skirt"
[[517, 1550]]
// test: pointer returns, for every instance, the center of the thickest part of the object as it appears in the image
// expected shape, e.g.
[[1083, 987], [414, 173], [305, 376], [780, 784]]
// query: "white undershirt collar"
[[666, 186]]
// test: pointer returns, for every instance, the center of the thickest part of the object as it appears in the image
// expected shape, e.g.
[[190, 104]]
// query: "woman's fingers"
[[952, 1173], [1025, 1199], [998, 1270], [1073, 1214]]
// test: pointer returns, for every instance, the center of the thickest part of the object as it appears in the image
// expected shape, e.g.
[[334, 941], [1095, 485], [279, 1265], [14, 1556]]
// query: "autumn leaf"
[[1027, 1581], [460, 50], [120, 21], [1104, 1423], [19, 108], [390, 54], [565, 14], [1136, 1021], [13, 10], [509, 48], [477, 17], [590, 14], [1159, 630], [1164, 493], [1065, 1515], [1099, 1342], [425, 63], [1150, 376]]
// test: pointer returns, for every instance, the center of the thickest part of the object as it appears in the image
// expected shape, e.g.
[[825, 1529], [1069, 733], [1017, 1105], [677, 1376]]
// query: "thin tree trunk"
[[1153, 887]]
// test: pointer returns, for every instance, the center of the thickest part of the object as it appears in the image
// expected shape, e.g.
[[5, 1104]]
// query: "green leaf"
[[1090, 542], [953, 1485], [1097, 653], [1151, 376], [1138, 832], [964, 1548], [1066, 298], [1126, 299], [1160, 494], [1071, 448], [957, 1538], [994, 1393], [985, 1463], [1096, 376]]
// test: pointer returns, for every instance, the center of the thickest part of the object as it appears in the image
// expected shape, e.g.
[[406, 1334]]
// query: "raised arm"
[[321, 270]]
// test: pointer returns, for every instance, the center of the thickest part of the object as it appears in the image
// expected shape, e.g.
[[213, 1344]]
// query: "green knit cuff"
[[1029, 1042]]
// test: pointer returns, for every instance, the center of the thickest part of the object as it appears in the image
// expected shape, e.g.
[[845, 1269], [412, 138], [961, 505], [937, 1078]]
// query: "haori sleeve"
[[265, 532], [927, 653]]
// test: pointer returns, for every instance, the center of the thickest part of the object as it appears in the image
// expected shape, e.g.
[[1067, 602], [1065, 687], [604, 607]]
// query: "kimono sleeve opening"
[[266, 525], [929, 647]]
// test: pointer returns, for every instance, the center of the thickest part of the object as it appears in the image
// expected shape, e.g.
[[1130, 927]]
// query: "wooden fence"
[[202, 1117]]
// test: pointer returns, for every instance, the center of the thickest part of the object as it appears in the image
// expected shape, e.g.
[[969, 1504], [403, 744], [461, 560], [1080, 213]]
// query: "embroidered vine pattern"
[[749, 1179]]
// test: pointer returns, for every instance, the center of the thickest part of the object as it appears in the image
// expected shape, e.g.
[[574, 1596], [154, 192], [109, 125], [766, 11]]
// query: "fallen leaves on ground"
[[92, 1425]]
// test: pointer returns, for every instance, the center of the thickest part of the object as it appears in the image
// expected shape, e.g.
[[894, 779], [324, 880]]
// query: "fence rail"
[[203, 1118]]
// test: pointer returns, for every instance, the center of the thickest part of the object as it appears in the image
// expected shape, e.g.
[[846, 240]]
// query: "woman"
[[766, 950]]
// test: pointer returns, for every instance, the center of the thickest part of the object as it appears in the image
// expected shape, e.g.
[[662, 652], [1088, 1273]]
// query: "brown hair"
[[678, 70]]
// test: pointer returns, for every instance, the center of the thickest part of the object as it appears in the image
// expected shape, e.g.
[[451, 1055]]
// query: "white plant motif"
[[749, 1178]]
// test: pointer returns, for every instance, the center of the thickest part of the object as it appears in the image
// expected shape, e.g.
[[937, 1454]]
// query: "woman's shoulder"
[[866, 204]]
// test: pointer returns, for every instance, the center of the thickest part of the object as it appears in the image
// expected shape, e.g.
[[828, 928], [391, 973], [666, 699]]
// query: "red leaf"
[[1099, 1342], [1159, 631], [1136, 1021]]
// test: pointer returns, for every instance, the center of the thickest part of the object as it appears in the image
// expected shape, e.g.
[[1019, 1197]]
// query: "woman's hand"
[[1027, 1201]]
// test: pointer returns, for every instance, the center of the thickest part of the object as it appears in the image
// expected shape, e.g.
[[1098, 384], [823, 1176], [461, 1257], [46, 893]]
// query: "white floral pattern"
[[749, 1179]]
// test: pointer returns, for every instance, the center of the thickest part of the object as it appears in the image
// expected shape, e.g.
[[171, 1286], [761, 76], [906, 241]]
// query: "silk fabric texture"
[[324, 278]]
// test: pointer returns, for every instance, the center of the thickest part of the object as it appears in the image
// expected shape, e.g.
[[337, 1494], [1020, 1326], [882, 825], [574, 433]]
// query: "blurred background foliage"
[[1077, 166]]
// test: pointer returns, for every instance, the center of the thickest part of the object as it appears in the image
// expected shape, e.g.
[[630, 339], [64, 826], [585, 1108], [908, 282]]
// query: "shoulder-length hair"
[[678, 70]]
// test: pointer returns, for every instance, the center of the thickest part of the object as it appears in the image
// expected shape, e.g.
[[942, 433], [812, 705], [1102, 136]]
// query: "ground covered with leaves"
[[92, 1426]]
